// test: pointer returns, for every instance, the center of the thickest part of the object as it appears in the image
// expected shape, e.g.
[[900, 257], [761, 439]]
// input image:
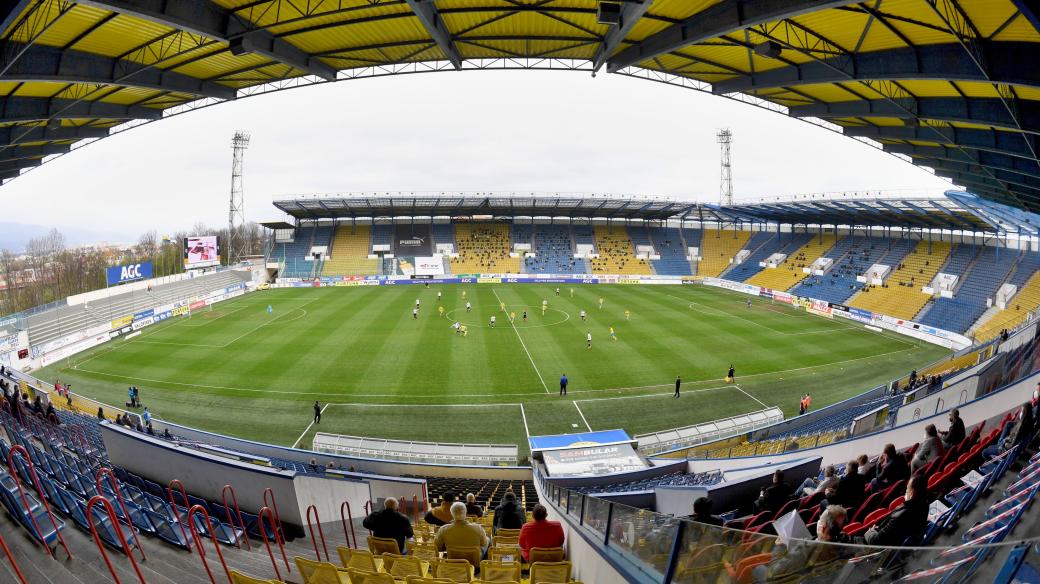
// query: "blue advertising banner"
[[144, 314], [128, 273], [583, 439]]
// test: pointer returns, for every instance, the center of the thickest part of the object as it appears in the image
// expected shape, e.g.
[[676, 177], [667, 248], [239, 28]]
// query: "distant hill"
[[14, 236]]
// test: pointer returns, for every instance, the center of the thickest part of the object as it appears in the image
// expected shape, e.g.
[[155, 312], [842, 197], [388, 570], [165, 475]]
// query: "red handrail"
[[266, 511], [176, 515], [231, 518], [198, 541], [277, 518], [10, 558], [119, 497], [415, 503], [320, 533], [119, 533], [344, 519], [20, 450]]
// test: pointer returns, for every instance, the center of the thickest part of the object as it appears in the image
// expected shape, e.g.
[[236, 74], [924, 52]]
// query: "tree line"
[[49, 270]]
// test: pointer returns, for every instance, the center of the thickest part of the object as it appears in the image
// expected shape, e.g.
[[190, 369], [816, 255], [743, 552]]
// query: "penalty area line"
[[741, 389], [309, 426], [575, 402]]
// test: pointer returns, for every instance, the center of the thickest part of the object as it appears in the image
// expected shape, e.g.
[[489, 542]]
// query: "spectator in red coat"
[[540, 532]]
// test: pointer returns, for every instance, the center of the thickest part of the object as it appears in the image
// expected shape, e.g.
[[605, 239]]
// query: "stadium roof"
[[951, 84], [955, 212]]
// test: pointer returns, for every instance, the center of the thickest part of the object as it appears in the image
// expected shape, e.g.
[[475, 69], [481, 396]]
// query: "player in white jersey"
[[492, 321], [583, 316], [469, 307], [415, 314], [588, 340]]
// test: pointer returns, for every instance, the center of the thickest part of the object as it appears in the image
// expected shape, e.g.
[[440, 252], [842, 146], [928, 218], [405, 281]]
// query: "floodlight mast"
[[236, 208], [725, 138]]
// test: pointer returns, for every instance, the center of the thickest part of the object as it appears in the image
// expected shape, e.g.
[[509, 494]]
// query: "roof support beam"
[[987, 159], [31, 109], [1009, 143], [49, 134], [631, 12], [207, 19], [988, 111], [726, 17], [42, 63], [948, 62], [974, 170], [431, 20], [20, 152], [10, 10], [1030, 9]]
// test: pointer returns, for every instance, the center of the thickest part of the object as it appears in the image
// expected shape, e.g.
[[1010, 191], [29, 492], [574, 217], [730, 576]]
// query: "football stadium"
[[540, 387]]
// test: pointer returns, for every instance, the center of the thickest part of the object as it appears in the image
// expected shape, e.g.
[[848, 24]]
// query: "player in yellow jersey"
[[627, 314], [613, 337], [502, 306], [440, 311], [465, 330], [601, 303], [512, 316], [572, 292], [463, 294]]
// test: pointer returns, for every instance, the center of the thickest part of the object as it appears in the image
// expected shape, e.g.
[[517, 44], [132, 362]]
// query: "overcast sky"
[[479, 131]]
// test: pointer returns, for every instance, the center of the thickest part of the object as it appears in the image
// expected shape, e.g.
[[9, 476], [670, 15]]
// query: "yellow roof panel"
[[885, 122], [1019, 30], [929, 88], [839, 26], [215, 65], [1030, 93], [123, 35], [388, 14], [369, 33], [917, 11], [66, 28], [988, 16]]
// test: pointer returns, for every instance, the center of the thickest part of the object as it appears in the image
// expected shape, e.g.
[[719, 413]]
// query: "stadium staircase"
[[554, 252], [901, 296], [789, 273], [718, 247], [852, 257], [692, 238], [668, 242], [483, 248], [775, 243], [1025, 301], [443, 233], [349, 253], [979, 282], [53, 324], [617, 254]]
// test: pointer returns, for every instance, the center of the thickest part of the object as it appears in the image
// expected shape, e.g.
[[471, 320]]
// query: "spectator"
[[441, 514], [540, 532], [150, 430], [100, 414], [891, 469], [390, 523], [146, 417], [166, 434], [50, 415], [471, 506], [849, 491], [955, 435], [790, 560], [811, 486], [460, 532], [928, 450], [509, 515], [908, 520], [702, 512], [865, 468], [1014, 432], [775, 495]]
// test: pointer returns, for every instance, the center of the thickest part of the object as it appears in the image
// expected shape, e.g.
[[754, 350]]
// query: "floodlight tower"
[[724, 137], [236, 210]]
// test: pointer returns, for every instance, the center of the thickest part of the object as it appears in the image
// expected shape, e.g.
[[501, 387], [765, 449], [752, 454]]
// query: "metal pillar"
[[724, 137], [236, 208]]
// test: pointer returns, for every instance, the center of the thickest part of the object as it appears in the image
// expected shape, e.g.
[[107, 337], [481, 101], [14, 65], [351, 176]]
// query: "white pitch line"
[[750, 396], [581, 414], [592, 399], [524, 415], [309, 427], [524, 345]]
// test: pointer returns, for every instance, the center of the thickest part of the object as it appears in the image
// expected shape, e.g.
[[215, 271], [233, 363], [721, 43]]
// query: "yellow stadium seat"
[[505, 540], [901, 296], [537, 554], [499, 571], [349, 253], [417, 580], [366, 577], [470, 554], [483, 248], [320, 572], [789, 272], [454, 570], [718, 247], [240, 578], [401, 567], [383, 545], [548, 572], [508, 533], [1025, 301], [616, 253], [360, 559], [507, 553]]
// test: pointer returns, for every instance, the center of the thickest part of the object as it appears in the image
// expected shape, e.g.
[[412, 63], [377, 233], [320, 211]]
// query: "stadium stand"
[[443, 233], [718, 247], [776, 243], [616, 253], [901, 296], [1024, 302], [522, 233], [980, 282], [382, 234], [789, 273], [295, 254], [852, 257], [668, 242], [483, 248], [349, 254], [554, 252], [489, 492], [760, 242], [692, 238]]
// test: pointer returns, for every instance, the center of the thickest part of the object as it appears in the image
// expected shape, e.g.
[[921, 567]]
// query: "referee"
[[678, 382]]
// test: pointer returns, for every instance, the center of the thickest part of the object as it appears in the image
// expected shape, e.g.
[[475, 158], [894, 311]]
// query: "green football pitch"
[[238, 369]]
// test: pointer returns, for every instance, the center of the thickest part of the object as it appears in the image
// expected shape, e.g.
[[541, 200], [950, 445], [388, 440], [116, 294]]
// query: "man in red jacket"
[[540, 532]]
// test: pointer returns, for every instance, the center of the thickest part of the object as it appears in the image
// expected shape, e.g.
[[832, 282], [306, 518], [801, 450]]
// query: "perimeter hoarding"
[[128, 273], [413, 241], [201, 251]]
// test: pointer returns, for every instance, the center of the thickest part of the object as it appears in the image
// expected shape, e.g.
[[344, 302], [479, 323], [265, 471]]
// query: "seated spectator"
[[789, 560], [460, 532], [1017, 431], [50, 412], [471, 506], [775, 495], [390, 523], [865, 468], [849, 491], [928, 450], [540, 532], [955, 435], [908, 520], [811, 486], [702, 512], [891, 469], [509, 515], [100, 414], [166, 434], [441, 514]]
